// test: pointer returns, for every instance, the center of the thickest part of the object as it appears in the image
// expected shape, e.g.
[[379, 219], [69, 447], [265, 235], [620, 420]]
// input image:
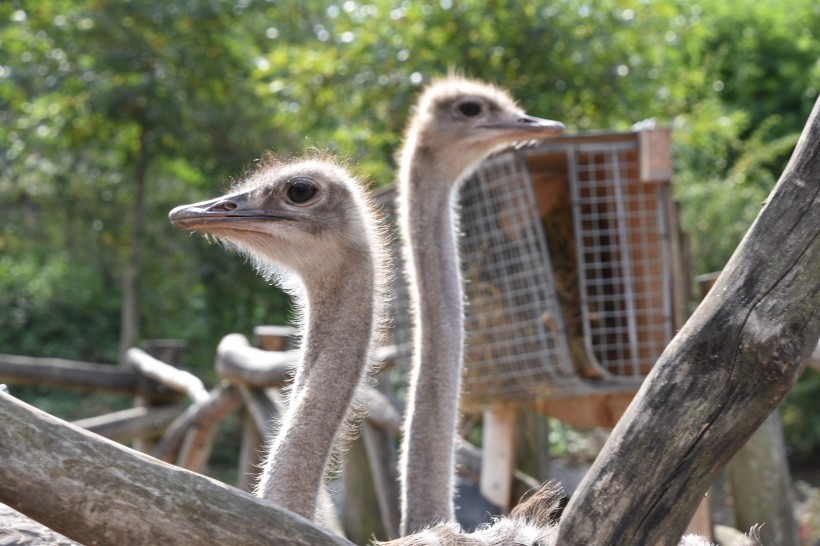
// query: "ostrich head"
[[305, 216], [458, 122]]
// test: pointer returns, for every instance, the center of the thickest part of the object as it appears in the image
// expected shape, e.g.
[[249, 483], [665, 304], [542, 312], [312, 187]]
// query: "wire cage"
[[570, 262]]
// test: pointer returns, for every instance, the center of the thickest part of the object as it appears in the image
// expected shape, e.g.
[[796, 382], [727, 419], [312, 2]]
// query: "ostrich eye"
[[302, 190], [470, 109]]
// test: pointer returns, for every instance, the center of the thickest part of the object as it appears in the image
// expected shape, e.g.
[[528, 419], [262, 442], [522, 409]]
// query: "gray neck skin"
[[427, 465], [335, 355]]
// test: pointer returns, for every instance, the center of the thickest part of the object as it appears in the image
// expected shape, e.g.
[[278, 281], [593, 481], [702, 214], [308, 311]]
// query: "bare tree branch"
[[98, 492]]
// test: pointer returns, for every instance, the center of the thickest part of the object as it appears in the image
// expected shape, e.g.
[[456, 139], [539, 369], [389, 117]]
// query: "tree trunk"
[[130, 312], [729, 366]]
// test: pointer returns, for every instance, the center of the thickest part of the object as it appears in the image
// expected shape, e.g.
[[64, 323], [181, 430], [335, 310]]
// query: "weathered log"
[[360, 514], [96, 491], [238, 362], [57, 372], [165, 374], [131, 423], [726, 370]]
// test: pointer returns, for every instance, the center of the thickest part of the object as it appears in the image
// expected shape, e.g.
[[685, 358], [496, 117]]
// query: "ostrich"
[[457, 123], [307, 226]]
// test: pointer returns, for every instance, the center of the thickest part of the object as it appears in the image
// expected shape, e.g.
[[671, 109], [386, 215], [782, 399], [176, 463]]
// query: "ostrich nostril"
[[223, 206], [526, 120]]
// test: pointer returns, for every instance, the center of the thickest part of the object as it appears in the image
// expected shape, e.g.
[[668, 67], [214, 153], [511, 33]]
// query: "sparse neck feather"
[[429, 221], [336, 347]]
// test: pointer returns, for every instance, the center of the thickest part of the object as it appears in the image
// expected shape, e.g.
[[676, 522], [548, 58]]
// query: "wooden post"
[[498, 455], [382, 456], [149, 394], [274, 338], [761, 485], [250, 454], [360, 508], [263, 407], [533, 444]]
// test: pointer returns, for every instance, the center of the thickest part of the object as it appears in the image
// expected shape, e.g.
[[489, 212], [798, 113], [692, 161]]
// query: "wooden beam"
[[96, 491], [131, 423], [58, 372], [723, 373]]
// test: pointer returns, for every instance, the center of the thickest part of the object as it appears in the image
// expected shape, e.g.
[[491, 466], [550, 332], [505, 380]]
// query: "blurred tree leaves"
[[210, 85]]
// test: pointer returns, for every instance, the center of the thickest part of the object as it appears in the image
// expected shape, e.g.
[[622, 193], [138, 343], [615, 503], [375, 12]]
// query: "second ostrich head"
[[458, 122]]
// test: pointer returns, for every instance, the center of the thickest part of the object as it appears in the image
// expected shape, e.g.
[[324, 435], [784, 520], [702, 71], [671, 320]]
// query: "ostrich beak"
[[232, 211], [528, 126]]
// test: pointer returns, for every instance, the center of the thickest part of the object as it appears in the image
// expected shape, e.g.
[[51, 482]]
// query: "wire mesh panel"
[[516, 347], [620, 236]]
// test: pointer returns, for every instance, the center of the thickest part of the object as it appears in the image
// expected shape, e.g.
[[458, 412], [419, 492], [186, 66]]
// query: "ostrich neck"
[[429, 222], [335, 353]]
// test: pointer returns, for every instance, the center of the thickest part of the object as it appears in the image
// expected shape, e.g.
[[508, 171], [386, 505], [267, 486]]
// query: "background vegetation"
[[114, 111]]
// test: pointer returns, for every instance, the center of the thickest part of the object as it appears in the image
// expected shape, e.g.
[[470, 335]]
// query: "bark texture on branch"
[[725, 371], [98, 492]]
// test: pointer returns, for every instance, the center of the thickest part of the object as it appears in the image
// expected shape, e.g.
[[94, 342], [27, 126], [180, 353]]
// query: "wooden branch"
[[725, 371], [132, 423], [238, 362], [96, 491], [57, 372], [197, 443], [165, 374], [220, 398]]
